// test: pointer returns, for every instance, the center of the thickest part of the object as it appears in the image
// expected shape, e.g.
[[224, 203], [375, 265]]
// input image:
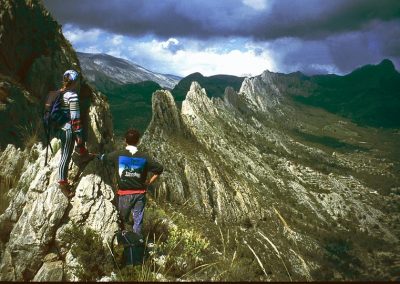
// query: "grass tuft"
[[88, 247], [29, 134], [6, 183]]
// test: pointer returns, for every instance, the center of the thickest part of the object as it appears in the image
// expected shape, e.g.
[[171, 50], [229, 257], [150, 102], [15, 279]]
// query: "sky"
[[236, 37]]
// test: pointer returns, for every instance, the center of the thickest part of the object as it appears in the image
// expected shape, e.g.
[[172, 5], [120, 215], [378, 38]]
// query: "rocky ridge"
[[312, 196], [33, 223], [236, 161], [33, 55]]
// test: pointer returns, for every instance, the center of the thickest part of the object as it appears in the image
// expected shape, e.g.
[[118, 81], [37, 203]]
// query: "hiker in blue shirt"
[[133, 167]]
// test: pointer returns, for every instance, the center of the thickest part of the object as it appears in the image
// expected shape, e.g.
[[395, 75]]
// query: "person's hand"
[[152, 179], [96, 155], [79, 142], [81, 150]]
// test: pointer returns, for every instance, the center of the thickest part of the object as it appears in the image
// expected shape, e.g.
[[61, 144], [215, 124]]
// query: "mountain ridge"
[[264, 187], [302, 169], [369, 95], [215, 84], [120, 71]]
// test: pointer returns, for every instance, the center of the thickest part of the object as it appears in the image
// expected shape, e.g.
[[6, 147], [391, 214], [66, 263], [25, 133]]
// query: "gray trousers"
[[132, 204]]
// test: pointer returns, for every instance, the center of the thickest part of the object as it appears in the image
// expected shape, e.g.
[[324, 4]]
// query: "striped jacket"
[[70, 106]]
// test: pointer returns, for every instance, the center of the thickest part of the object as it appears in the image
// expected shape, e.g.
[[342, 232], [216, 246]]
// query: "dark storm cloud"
[[163, 18], [340, 53], [313, 36], [202, 19], [315, 19]]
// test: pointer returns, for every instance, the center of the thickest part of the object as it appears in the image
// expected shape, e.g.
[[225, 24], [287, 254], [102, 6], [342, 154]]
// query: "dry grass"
[[29, 134], [6, 183]]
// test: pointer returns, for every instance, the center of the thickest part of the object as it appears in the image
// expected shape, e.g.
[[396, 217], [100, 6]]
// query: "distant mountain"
[[369, 96], [214, 85], [131, 105], [107, 72]]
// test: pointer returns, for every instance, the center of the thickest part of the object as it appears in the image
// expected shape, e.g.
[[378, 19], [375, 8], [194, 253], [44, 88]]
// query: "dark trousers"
[[67, 147], [132, 204]]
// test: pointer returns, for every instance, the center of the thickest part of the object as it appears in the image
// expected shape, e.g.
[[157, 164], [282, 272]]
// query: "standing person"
[[71, 131], [133, 167]]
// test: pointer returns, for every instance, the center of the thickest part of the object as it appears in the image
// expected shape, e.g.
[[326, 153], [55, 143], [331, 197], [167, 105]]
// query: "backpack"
[[53, 117], [134, 248]]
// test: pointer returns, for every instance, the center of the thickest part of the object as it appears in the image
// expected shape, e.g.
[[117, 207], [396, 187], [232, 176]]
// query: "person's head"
[[132, 137], [70, 79]]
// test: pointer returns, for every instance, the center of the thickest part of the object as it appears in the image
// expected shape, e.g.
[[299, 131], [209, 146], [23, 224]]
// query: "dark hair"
[[132, 136], [66, 83]]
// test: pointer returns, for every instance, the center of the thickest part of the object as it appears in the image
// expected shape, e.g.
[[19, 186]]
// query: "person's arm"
[[75, 114], [155, 168], [109, 158]]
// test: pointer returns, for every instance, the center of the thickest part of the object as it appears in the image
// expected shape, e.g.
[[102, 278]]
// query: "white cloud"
[[325, 68], [91, 49], [210, 61], [167, 44], [76, 35], [256, 4], [117, 39], [177, 56]]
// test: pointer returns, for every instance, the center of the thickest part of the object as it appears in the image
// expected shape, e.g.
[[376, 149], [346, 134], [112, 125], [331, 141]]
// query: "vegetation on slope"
[[369, 96], [214, 85], [130, 104]]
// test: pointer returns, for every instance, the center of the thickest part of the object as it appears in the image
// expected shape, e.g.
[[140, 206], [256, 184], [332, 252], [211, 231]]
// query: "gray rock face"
[[256, 160], [35, 209], [34, 231], [92, 204], [50, 271], [33, 56], [262, 92], [38, 208], [165, 112]]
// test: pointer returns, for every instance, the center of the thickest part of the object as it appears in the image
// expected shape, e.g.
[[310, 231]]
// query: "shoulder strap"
[[51, 97], [112, 242]]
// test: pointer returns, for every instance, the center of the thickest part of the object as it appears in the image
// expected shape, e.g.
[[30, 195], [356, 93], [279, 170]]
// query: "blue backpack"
[[54, 117]]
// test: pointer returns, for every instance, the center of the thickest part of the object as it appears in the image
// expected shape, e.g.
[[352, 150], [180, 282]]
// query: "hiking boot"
[[82, 156], [85, 158], [66, 190]]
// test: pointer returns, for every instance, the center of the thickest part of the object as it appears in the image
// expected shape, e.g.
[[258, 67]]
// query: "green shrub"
[[87, 246], [182, 252], [155, 224], [145, 272]]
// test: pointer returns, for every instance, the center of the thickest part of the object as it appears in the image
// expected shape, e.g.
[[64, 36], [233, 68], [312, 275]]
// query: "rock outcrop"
[[39, 212], [313, 197], [305, 188], [33, 56]]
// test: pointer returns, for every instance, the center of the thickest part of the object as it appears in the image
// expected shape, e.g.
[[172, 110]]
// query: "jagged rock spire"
[[165, 113], [262, 92], [197, 101]]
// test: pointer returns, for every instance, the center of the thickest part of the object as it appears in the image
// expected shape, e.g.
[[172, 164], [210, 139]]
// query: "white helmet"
[[71, 74]]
